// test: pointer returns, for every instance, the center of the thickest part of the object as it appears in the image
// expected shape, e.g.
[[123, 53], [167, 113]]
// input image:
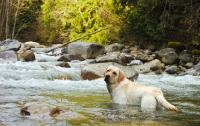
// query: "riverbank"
[[131, 59]]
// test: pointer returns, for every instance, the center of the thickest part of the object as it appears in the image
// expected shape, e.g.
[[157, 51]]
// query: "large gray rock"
[[97, 70], [160, 53], [9, 55], [11, 44], [184, 56], [172, 69], [169, 58], [88, 50]]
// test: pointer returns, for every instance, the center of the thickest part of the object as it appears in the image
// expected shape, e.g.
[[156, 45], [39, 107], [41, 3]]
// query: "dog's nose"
[[107, 76]]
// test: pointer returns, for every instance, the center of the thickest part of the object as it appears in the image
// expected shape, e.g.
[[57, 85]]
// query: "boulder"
[[185, 56], [169, 58], [70, 57], [115, 47], [97, 70], [31, 44], [172, 69], [11, 44], [160, 53], [148, 66], [9, 55], [25, 55], [110, 57], [155, 65], [189, 65], [88, 50]]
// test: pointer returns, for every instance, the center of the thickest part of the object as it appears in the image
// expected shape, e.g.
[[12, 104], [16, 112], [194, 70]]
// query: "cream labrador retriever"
[[124, 91]]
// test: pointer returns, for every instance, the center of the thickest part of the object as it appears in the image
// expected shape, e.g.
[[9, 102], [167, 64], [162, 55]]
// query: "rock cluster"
[[131, 59], [13, 50]]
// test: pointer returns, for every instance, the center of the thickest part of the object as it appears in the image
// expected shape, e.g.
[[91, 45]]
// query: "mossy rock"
[[177, 46], [196, 52]]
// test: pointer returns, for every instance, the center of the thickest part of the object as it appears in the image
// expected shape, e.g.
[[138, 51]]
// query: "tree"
[[159, 21]]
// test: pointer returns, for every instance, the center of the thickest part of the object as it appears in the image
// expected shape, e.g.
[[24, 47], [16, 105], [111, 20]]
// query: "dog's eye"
[[114, 73], [108, 70]]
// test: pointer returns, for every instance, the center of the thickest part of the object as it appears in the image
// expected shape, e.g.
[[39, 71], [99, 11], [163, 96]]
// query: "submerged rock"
[[41, 111]]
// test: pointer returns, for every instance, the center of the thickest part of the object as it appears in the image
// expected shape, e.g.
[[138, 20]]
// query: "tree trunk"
[[15, 20], [7, 17]]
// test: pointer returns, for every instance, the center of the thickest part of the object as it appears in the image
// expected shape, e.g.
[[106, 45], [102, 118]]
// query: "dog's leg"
[[148, 101]]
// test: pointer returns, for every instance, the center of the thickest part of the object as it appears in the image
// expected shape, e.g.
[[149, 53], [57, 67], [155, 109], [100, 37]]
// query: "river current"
[[26, 82]]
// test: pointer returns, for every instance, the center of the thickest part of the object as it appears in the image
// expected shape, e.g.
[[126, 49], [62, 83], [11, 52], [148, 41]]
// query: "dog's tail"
[[161, 100]]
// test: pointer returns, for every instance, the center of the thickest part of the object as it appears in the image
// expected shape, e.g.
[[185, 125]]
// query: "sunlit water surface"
[[26, 82]]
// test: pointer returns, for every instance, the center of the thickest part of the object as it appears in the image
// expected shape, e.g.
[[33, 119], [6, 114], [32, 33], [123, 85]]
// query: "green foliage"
[[70, 19], [58, 21], [159, 21]]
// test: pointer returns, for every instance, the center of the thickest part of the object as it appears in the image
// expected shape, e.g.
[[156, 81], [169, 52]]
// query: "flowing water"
[[27, 82]]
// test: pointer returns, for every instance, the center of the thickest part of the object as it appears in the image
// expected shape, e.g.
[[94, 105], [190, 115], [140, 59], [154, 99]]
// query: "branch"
[[76, 39]]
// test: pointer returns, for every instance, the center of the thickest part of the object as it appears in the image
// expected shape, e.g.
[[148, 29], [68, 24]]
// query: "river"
[[26, 82]]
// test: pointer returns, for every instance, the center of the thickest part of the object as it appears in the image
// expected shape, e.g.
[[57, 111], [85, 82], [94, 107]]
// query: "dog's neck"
[[113, 88]]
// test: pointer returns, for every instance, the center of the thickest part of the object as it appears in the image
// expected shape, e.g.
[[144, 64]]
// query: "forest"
[[131, 21]]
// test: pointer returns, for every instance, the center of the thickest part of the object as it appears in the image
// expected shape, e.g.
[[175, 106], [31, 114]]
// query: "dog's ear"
[[121, 76]]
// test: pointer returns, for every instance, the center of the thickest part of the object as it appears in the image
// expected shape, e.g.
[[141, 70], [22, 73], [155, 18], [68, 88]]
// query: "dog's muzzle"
[[106, 79]]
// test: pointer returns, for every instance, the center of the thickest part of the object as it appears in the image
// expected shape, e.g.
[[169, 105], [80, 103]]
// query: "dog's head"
[[113, 75]]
